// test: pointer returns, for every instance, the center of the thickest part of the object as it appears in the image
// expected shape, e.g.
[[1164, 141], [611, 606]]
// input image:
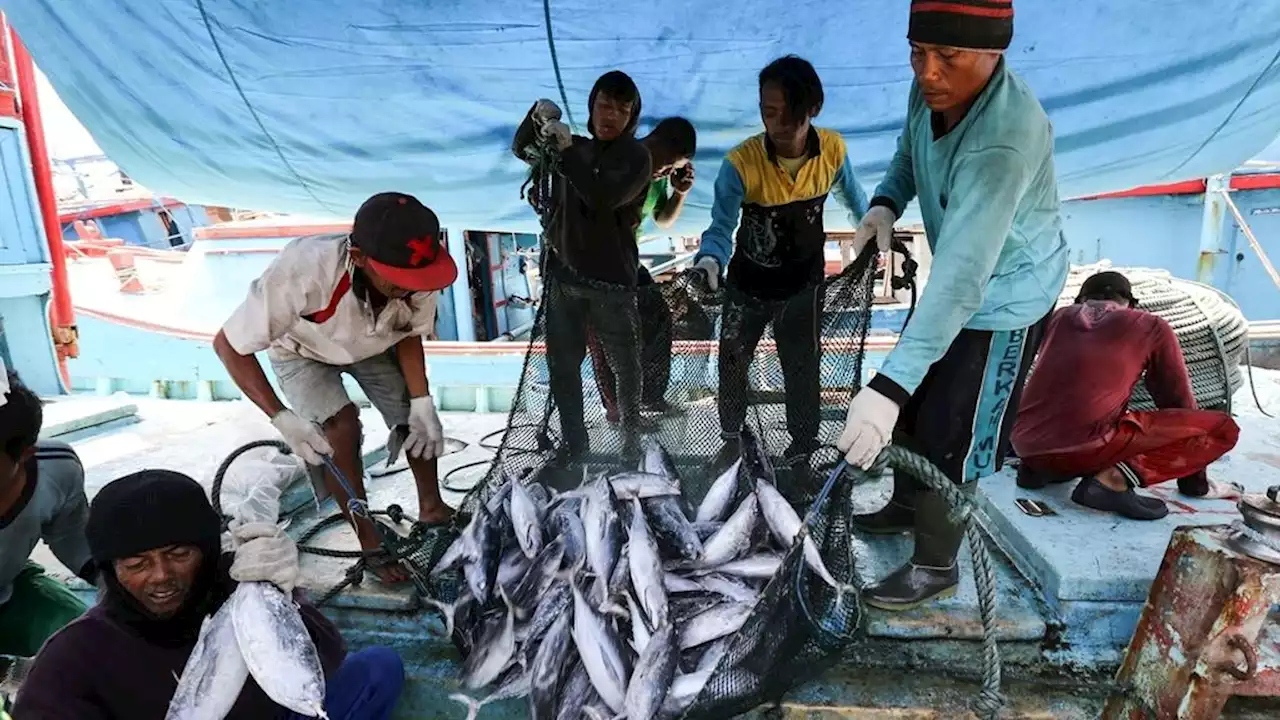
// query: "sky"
[[65, 135]]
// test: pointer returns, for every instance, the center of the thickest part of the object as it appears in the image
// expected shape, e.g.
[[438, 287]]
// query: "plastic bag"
[[214, 674], [252, 486]]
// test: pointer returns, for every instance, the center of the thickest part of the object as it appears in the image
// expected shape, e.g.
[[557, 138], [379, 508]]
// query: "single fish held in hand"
[[214, 674], [734, 538], [785, 525], [719, 498], [526, 520], [277, 648]]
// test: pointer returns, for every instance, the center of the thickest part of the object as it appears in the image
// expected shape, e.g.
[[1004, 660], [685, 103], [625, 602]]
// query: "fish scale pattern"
[[700, 581]]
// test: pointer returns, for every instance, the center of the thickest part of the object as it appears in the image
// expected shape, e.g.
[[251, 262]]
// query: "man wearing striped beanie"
[[976, 153]]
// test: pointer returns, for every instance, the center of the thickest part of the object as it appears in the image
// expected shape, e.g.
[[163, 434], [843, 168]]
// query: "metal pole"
[[65, 334], [1211, 226], [1253, 241]]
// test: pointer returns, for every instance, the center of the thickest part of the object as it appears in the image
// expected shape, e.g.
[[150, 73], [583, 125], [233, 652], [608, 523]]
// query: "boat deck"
[[1071, 586]]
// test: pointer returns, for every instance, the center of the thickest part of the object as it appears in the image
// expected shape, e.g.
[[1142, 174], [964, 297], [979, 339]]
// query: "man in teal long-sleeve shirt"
[[977, 154], [777, 182]]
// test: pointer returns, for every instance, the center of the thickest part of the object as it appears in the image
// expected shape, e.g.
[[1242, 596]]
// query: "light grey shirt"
[[52, 508]]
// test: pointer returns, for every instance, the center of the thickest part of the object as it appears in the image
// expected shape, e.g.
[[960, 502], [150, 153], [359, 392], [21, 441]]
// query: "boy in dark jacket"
[[155, 539], [592, 261]]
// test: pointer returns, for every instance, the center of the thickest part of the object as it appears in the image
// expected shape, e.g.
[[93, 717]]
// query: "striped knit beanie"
[[968, 24]]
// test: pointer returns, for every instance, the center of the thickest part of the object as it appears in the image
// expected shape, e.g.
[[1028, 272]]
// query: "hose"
[[1209, 325]]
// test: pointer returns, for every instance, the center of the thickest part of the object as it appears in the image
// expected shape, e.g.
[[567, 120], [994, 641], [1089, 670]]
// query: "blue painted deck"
[[1070, 588]]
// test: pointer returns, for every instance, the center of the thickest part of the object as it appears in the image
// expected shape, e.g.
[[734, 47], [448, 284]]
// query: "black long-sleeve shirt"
[[597, 199], [97, 668]]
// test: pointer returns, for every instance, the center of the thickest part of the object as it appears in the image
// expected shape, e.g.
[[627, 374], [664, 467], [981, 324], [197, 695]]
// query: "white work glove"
[[544, 111], [426, 436], [263, 553], [303, 436], [868, 428], [877, 224], [558, 133], [709, 266]]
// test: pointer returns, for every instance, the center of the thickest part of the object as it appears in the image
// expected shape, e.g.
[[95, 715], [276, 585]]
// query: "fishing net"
[[689, 426], [800, 621]]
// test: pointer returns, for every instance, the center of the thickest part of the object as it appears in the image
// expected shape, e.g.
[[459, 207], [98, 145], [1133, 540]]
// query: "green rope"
[[964, 512]]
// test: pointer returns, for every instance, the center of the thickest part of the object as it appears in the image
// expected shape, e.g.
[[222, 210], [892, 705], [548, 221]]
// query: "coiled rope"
[[964, 512]]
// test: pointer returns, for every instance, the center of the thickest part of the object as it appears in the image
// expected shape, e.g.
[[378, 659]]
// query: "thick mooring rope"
[[964, 511]]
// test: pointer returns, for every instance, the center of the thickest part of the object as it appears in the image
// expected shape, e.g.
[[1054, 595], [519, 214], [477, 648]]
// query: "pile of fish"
[[615, 600]]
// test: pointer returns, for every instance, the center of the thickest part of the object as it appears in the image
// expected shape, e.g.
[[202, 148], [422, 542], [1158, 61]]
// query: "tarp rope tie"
[[555, 64]]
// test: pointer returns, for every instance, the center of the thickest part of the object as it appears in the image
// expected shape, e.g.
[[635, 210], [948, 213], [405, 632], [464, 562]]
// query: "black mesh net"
[[813, 346]]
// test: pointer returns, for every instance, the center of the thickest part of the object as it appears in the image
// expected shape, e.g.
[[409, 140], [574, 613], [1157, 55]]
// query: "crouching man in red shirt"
[[1074, 420]]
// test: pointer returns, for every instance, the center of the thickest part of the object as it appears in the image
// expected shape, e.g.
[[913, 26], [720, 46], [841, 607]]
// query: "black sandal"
[[1093, 494]]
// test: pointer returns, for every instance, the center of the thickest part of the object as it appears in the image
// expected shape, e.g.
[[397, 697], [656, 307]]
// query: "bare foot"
[[436, 514], [376, 562]]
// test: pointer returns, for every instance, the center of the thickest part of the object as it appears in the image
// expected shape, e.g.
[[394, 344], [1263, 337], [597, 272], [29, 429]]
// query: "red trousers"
[[1151, 447], [605, 381]]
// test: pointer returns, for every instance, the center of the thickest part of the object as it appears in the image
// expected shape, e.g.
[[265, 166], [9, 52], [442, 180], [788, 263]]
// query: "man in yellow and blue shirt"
[[777, 182]]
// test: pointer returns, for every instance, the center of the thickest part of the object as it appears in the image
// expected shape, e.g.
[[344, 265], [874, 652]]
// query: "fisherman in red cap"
[[356, 304], [1094, 353]]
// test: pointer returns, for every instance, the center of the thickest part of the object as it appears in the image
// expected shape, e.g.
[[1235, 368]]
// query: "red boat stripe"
[[959, 9]]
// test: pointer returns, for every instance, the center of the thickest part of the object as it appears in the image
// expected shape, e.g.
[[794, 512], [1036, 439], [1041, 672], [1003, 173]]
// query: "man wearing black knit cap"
[[591, 257], [155, 539], [976, 152]]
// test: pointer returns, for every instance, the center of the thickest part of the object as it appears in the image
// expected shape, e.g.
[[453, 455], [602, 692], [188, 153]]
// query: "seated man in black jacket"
[[155, 539], [591, 261]]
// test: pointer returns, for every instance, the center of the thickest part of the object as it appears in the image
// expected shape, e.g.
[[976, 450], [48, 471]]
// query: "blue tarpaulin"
[[311, 105]]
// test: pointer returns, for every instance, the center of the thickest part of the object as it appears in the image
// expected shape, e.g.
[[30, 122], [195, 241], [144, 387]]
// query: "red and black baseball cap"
[[400, 237]]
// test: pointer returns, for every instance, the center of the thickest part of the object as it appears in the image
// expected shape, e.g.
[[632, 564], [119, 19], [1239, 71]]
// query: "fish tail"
[[447, 610], [473, 705]]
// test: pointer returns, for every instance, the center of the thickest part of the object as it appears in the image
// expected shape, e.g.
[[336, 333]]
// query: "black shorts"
[[961, 416]]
